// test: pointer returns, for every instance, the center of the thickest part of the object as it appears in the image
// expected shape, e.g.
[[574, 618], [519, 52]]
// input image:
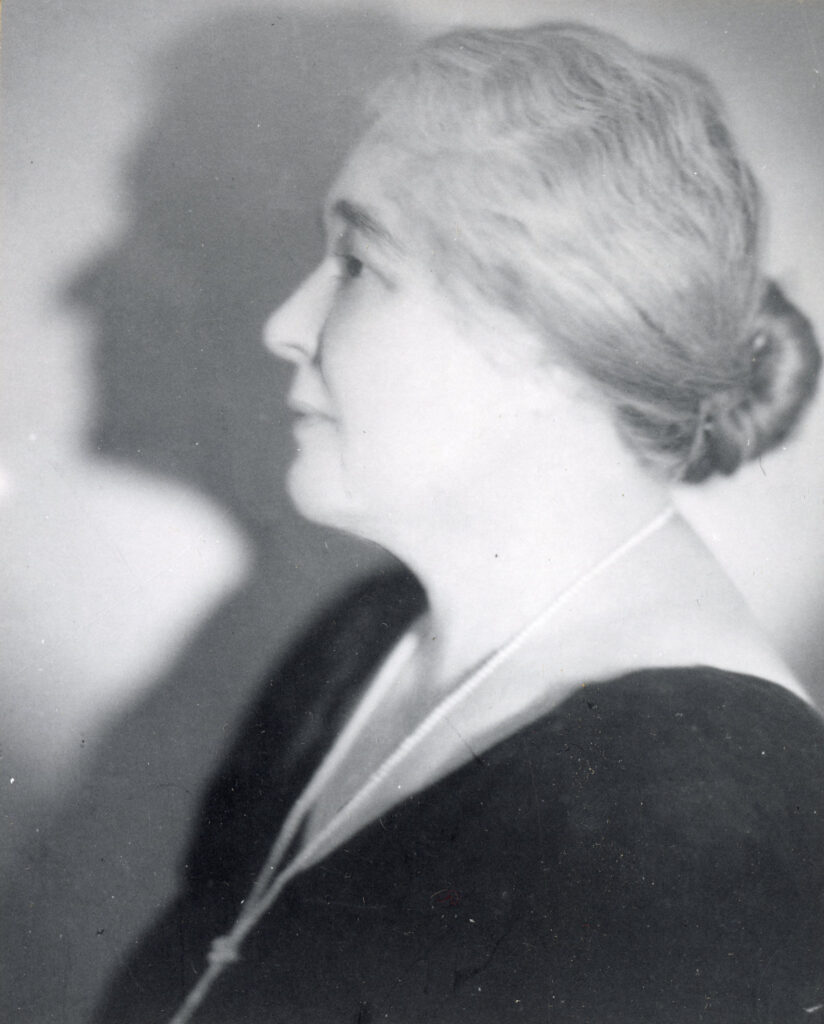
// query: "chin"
[[318, 496], [321, 498]]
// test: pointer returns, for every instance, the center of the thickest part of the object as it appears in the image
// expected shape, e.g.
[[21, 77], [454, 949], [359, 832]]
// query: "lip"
[[307, 421], [310, 420], [305, 410]]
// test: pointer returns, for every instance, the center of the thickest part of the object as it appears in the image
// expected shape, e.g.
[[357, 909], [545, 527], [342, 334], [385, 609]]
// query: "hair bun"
[[741, 423]]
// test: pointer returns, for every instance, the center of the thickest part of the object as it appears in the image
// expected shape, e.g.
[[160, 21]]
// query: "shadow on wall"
[[253, 113], [224, 193]]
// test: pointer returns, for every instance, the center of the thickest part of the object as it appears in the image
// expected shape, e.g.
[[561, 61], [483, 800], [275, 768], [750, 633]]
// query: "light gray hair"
[[596, 192]]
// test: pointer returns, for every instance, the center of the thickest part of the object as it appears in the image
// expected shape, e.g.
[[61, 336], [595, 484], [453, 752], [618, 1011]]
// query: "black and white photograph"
[[412, 512]]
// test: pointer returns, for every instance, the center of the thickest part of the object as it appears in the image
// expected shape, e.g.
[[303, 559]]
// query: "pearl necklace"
[[273, 878]]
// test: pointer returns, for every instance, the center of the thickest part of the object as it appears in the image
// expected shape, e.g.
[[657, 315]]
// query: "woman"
[[567, 779]]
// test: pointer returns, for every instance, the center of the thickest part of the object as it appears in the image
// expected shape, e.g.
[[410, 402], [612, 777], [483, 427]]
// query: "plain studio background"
[[163, 166]]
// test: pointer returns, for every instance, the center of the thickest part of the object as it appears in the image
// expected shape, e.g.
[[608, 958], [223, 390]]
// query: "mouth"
[[307, 418], [305, 410]]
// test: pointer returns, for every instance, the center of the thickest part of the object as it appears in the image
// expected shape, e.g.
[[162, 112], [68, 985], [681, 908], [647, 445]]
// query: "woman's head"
[[403, 416], [595, 193]]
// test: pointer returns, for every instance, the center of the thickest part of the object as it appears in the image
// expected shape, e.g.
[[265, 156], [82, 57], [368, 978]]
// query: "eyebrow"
[[360, 219]]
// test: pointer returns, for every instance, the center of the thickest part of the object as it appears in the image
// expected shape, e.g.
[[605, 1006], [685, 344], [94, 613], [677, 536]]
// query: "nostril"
[[274, 336], [281, 345], [289, 351]]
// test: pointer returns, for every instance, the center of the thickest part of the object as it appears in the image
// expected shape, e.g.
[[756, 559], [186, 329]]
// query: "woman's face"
[[402, 408]]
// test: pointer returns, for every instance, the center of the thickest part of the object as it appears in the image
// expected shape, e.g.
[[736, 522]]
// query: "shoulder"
[[696, 717], [682, 815], [659, 716], [693, 755], [699, 708], [697, 754], [664, 723]]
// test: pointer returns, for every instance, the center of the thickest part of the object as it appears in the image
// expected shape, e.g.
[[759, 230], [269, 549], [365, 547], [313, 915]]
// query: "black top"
[[652, 850]]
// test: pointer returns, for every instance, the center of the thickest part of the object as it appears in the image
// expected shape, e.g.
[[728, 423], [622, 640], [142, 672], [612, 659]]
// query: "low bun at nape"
[[737, 424]]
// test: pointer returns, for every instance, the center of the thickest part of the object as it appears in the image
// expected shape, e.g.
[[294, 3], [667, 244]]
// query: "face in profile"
[[398, 397]]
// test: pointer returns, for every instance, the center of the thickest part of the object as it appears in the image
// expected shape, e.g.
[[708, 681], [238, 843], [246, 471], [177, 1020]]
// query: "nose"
[[293, 331]]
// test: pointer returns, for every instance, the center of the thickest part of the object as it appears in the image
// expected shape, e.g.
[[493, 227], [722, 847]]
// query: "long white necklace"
[[271, 881]]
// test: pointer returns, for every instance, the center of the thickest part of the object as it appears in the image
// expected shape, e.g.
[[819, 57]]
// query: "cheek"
[[417, 406], [365, 367], [410, 432]]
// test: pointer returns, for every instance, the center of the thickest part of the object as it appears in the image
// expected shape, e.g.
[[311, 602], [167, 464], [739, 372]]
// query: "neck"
[[493, 574]]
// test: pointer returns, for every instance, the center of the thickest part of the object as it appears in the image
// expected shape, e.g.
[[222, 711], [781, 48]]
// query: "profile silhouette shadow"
[[253, 112]]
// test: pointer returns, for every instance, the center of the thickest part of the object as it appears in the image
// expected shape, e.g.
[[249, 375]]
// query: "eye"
[[351, 266]]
